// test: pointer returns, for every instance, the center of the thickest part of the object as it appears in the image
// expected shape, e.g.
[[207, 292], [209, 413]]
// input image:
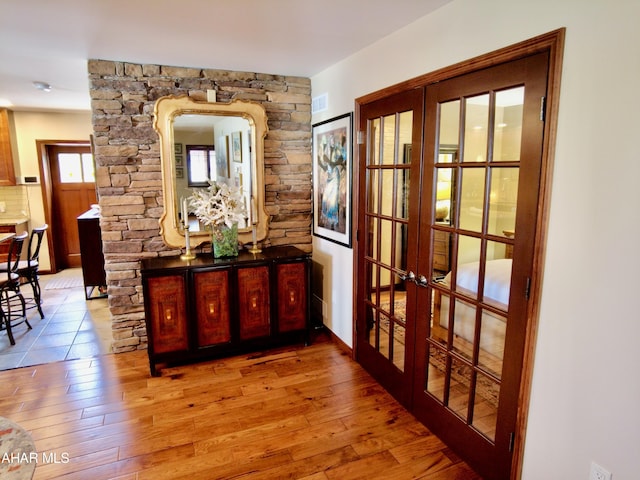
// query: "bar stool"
[[10, 290]]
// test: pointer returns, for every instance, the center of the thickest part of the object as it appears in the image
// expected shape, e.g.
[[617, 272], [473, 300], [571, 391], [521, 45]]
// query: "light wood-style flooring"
[[298, 413]]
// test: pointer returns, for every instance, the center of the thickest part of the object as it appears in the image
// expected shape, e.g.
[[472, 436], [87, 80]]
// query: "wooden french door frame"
[[47, 190], [553, 43]]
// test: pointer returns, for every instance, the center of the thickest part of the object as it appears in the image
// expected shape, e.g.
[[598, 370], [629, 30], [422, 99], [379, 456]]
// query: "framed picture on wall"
[[222, 161], [179, 172], [236, 147], [178, 159], [332, 183], [177, 148]]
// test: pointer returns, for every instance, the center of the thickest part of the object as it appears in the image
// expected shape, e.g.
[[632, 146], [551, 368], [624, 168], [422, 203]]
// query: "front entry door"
[[73, 193], [446, 264]]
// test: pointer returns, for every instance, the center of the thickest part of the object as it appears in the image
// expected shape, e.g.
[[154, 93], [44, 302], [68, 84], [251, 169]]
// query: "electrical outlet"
[[598, 473]]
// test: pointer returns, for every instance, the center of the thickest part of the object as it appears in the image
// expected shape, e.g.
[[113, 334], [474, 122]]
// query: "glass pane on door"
[[70, 168], [508, 125], [485, 405], [503, 197], [389, 145], [449, 130], [472, 190], [476, 131]]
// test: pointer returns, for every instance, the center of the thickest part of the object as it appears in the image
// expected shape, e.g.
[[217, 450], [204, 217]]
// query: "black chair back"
[[35, 241], [13, 259]]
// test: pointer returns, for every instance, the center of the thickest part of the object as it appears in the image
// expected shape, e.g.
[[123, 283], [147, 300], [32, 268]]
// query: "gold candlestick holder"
[[187, 255], [254, 247]]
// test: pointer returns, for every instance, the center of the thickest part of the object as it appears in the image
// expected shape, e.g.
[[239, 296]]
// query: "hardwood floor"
[[299, 413]]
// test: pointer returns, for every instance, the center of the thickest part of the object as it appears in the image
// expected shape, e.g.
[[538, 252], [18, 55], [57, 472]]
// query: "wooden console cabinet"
[[207, 308]]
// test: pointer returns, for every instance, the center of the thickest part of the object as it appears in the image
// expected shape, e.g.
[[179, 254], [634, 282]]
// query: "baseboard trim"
[[341, 345]]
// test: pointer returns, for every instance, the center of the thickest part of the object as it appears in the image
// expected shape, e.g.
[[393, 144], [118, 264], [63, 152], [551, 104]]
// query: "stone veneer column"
[[128, 174]]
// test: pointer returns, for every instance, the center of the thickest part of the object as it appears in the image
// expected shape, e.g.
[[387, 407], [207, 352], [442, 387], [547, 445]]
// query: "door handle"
[[409, 276], [422, 281]]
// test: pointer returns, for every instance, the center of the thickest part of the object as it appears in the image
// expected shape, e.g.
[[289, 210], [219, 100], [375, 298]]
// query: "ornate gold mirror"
[[202, 141]]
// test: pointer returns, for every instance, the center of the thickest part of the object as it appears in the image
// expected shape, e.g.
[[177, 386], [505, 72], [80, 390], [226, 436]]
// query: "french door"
[[448, 220], [390, 180]]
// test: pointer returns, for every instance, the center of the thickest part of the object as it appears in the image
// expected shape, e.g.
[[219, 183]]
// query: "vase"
[[225, 241]]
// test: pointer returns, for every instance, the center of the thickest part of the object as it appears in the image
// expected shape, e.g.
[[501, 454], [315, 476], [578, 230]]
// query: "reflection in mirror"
[[202, 141], [215, 148]]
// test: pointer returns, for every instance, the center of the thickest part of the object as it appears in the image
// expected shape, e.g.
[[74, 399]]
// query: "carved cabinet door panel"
[[212, 307], [292, 296], [168, 313], [253, 302]]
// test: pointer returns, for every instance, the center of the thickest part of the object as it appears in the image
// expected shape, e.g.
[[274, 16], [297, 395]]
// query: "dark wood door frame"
[[552, 42], [47, 191]]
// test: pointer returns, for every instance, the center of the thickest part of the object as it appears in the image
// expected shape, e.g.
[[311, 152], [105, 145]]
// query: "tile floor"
[[72, 327]]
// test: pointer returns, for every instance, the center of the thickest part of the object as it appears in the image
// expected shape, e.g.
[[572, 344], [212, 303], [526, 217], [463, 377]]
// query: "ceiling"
[[51, 41]]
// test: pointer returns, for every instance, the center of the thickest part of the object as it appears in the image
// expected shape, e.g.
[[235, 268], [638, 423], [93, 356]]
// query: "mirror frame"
[[165, 111]]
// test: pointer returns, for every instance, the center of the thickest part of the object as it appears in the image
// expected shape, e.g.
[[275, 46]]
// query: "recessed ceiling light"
[[44, 86]]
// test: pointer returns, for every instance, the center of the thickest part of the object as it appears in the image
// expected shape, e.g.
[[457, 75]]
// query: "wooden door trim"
[[553, 42], [46, 188]]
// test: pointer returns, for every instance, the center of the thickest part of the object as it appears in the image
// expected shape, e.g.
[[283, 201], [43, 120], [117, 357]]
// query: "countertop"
[[13, 220], [90, 214]]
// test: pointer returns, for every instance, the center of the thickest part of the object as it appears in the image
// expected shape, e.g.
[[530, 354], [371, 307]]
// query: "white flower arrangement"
[[218, 205]]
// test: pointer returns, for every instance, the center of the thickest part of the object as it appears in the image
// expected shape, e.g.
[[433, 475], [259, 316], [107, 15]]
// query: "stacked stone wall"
[[129, 177]]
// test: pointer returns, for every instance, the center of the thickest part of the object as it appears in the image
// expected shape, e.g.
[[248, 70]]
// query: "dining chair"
[[28, 269], [10, 295]]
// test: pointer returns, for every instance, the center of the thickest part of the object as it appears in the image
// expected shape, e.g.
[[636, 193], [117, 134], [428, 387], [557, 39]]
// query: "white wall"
[[32, 126], [586, 390]]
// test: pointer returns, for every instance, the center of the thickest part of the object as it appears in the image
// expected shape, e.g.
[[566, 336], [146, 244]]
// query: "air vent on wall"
[[320, 103]]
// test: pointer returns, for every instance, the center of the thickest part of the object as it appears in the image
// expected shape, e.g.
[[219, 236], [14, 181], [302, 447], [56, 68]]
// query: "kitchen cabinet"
[[207, 307], [16, 226], [7, 172]]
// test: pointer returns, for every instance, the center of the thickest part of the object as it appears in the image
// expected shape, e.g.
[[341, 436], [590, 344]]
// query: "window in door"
[[76, 168]]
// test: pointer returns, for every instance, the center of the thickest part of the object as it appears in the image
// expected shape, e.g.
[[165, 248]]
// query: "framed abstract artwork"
[[332, 184]]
